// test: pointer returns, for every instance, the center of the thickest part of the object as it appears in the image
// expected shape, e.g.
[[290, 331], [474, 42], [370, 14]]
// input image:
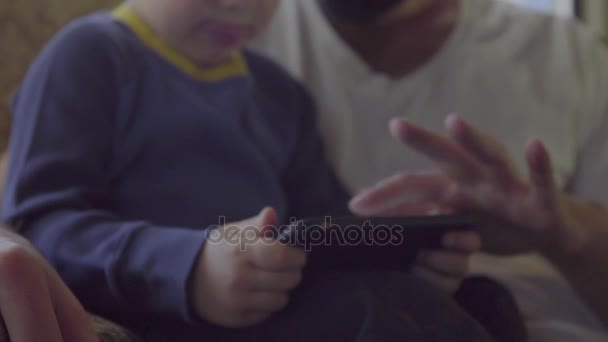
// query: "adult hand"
[[35, 303], [446, 268], [477, 176]]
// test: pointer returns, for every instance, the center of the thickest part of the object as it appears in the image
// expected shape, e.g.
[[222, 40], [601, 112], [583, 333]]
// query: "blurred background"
[[560, 7], [594, 12]]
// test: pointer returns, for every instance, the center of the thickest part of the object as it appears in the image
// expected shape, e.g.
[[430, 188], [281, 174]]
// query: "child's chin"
[[219, 57], [228, 49]]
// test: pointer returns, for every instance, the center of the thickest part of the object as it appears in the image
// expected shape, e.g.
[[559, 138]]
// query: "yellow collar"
[[236, 66]]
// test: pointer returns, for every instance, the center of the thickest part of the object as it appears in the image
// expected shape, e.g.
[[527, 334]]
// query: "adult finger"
[[412, 210], [446, 263], [484, 147], [25, 300], [74, 322], [449, 155], [403, 189], [541, 173], [464, 242]]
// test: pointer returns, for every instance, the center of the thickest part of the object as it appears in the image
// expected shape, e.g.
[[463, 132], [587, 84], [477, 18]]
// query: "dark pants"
[[493, 306], [362, 307]]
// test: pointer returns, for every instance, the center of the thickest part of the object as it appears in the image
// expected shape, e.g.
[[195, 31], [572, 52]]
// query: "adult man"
[[516, 75]]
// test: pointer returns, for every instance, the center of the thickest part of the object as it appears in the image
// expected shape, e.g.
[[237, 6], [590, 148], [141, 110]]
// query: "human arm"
[[57, 188]]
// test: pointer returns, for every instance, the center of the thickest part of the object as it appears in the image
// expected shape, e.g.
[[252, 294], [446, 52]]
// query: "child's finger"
[[267, 219], [272, 256], [266, 302], [275, 281], [251, 229], [251, 319]]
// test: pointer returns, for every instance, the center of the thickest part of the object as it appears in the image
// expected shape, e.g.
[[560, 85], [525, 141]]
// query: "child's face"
[[207, 31]]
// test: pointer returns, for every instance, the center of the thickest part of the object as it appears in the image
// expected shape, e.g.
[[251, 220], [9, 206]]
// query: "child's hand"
[[240, 284], [447, 268]]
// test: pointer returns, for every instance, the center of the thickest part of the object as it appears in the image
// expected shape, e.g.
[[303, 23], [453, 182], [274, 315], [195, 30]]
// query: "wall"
[[559, 7], [595, 13]]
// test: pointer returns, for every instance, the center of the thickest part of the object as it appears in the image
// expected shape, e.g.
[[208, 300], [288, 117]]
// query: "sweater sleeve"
[[57, 189]]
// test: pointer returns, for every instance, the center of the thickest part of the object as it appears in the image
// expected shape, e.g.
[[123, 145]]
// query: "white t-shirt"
[[515, 74]]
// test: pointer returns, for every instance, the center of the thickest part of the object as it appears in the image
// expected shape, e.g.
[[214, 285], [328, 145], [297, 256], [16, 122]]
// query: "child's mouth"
[[228, 35]]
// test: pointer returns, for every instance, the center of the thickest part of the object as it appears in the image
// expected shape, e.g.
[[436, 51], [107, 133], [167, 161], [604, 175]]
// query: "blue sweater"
[[120, 160]]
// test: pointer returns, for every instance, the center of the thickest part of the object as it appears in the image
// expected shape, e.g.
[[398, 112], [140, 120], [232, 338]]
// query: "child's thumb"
[[267, 219]]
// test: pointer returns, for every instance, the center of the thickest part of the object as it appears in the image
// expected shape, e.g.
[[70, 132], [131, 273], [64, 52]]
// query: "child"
[[135, 133]]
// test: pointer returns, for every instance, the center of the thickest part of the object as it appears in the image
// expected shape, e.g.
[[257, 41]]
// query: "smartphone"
[[369, 242]]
